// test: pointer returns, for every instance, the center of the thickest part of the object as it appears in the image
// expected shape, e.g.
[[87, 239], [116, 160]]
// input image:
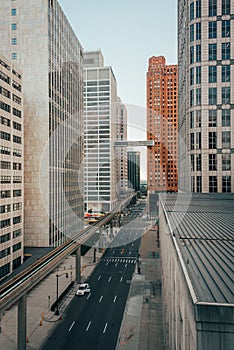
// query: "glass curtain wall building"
[[206, 98], [100, 101], [39, 39]]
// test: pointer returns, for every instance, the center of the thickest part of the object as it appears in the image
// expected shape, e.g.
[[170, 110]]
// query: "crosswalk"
[[125, 260]]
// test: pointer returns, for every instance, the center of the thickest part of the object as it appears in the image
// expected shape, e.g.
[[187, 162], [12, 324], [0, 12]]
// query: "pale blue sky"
[[128, 32]]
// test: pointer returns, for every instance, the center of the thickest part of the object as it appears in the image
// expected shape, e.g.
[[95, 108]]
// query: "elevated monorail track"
[[12, 290]]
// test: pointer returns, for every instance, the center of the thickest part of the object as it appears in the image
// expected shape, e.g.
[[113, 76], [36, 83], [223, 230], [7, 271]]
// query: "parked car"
[[83, 289]]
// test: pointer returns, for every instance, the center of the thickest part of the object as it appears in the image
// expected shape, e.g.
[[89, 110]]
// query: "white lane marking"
[[104, 330], [107, 263], [126, 265], [87, 328], [116, 264], [101, 299], [71, 326], [109, 279], [115, 298], [88, 296], [99, 277], [113, 251], [121, 279]]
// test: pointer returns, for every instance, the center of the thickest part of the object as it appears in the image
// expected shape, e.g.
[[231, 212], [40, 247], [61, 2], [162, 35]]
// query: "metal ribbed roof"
[[203, 226]]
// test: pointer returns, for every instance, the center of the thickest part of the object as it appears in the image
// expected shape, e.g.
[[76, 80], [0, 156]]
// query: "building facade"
[[11, 168], [162, 121], [100, 113], [134, 170], [39, 38], [206, 99], [121, 152]]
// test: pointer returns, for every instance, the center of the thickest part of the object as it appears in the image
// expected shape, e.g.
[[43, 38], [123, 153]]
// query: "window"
[[16, 220], [226, 7], [199, 184], [192, 141], [226, 117], [191, 76], [16, 112], [5, 165], [17, 166], [5, 223], [5, 107], [226, 161], [191, 11], [226, 73], [212, 7], [191, 54], [213, 184], [5, 194], [5, 150], [198, 119], [17, 193], [212, 162], [198, 8], [5, 179], [13, 41], [212, 117], [226, 95], [198, 53], [226, 51], [198, 75], [6, 208], [5, 121], [212, 30], [13, 12], [16, 247], [198, 31], [17, 179], [5, 252], [226, 184], [13, 26], [17, 126], [198, 162], [212, 140], [14, 56], [5, 92], [191, 98], [198, 140], [17, 139], [198, 97], [192, 120], [5, 136], [5, 238], [17, 233], [17, 206], [225, 29], [191, 32], [212, 96], [226, 139], [212, 74], [212, 52]]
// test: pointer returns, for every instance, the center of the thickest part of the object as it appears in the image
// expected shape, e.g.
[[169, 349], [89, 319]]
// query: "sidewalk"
[[40, 320], [142, 325]]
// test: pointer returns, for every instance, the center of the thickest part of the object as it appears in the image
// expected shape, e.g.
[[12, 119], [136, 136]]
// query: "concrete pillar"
[[22, 322], [111, 229], [78, 264]]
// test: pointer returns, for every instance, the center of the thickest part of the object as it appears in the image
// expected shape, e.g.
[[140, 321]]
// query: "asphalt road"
[[93, 321]]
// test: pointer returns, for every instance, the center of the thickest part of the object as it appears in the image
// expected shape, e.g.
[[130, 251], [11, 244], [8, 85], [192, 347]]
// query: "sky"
[[128, 32]]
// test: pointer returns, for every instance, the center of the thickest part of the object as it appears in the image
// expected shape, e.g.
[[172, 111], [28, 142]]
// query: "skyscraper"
[[162, 119], [37, 36], [11, 168], [100, 108], [206, 98], [134, 170]]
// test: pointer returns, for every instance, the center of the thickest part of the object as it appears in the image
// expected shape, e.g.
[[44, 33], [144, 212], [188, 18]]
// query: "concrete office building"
[[100, 106], [162, 123], [197, 270], [37, 36], [134, 170], [121, 152], [206, 98], [11, 168]]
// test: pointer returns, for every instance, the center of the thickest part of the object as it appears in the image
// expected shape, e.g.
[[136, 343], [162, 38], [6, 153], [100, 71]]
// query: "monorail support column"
[[22, 322], [111, 229], [78, 264]]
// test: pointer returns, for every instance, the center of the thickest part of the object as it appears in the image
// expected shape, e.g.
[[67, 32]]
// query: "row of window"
[[6, 208], [195, 74], [6, 136], [7, 165], [7, 122], [7, 151], [196, 185], [212, 8], [7, 193], [196, 96], [7, 222], [196, 162], [7, 251], [195, 140], [7, 237], [195, 52], [7, 179], [195, 118]]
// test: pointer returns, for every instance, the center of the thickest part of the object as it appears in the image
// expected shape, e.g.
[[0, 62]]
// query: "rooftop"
[[202, 226]]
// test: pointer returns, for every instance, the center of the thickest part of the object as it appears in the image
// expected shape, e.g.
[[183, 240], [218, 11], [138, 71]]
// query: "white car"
[[83, 288]]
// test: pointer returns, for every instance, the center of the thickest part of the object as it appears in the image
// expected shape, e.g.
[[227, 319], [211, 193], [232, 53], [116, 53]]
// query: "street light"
[[57, 290]]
